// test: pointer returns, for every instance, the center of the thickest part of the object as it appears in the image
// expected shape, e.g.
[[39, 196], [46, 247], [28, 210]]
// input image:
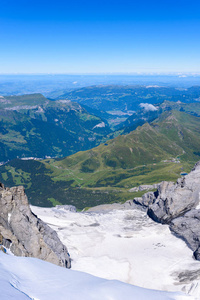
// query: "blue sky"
[[99, 36]]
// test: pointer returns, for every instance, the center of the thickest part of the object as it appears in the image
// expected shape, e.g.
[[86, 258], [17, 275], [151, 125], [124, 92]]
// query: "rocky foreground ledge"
[[24, 233], [177, 204]]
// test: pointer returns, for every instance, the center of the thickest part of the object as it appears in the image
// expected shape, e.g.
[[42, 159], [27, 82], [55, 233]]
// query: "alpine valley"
[[110, 193]]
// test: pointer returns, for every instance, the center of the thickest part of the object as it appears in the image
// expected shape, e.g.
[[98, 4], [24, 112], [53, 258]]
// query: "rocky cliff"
[[24, 233], [178, 204]]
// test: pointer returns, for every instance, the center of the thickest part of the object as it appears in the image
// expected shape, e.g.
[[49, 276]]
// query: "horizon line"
[[189, 73]]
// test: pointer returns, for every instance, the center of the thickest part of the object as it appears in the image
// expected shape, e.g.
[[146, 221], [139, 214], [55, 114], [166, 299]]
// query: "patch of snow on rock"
[[100, 125]]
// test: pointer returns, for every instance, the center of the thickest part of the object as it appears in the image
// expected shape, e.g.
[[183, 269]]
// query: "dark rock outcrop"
[[145, 200], [24, 233], [174, 200], [144, 187], [67, 207], [187, 227]]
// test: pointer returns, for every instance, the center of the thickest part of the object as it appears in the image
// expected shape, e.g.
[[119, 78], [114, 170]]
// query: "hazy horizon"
[[108, 73]]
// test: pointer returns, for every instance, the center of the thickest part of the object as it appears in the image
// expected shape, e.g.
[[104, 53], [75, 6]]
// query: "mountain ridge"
[[153, 152]]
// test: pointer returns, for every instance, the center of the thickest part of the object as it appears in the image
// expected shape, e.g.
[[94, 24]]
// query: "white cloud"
[[182, 76], [148, 107]]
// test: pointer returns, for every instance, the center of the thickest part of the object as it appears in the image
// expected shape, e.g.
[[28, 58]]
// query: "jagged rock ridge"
[[177, 204], [24, 233]]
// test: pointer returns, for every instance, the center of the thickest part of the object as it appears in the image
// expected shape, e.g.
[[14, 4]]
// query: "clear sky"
[[99, 36]]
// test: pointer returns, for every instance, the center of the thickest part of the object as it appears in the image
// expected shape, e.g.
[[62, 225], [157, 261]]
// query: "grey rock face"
[[187, 227], [146, 200], [66, 207], [24, 233], [174, 200], [144, 187], [179, 206]]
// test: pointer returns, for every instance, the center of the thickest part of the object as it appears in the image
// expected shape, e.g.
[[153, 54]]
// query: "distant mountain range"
[[128, 98], [116, 103], [32, 125]]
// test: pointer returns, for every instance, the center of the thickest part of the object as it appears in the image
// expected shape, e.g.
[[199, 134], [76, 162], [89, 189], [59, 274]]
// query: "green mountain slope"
[[152, 153], [23, 136], [174, 134]]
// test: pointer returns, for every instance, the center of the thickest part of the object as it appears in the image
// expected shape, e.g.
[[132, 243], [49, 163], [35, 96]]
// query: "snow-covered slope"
[[30, 278], [128, 246]]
